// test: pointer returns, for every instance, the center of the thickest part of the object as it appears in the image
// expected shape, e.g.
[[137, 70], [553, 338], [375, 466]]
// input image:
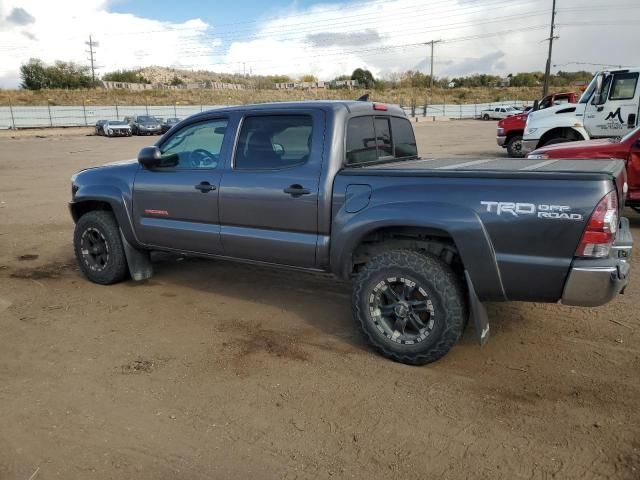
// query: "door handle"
[[205, 187], [296, 190]]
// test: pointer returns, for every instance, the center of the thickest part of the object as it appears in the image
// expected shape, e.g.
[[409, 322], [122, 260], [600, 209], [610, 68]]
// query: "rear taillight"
[[601, 229]]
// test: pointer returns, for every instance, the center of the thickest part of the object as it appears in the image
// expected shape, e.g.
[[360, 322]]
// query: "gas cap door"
[[357, 197]]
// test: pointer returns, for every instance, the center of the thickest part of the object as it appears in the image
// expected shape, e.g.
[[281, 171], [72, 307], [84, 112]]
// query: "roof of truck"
[[353, 106]]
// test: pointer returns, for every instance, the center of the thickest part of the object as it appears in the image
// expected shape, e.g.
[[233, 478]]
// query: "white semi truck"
[[607, 108]]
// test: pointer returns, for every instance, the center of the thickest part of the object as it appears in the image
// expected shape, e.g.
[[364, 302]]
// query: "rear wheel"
[[98, 248], [409, 306], [514, 147]]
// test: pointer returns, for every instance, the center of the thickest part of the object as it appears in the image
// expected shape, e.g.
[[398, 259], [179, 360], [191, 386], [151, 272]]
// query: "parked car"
[[144, 125], [511, 129], [338, 188], [168, 123], [98, 127], [498, 113], [116, 128], [608, 108], [626, 148]]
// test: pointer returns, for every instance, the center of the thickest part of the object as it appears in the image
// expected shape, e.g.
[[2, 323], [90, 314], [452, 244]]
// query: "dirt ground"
[[217, 370]]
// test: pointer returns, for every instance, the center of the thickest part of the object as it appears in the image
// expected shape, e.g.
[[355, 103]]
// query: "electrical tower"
[[432, 43], [547, 71], [92, 53]]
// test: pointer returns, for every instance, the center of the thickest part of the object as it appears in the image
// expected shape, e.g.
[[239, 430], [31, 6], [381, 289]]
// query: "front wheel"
[[486, 117], [514, 147], [98, 248], [409, 306]]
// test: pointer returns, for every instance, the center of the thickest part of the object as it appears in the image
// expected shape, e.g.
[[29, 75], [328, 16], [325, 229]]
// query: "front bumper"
[[594, 282], [501, 140], [529, 146]]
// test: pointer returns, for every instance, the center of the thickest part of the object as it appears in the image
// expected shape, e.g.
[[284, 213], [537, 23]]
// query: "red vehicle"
[[626, 148], [511, 129]]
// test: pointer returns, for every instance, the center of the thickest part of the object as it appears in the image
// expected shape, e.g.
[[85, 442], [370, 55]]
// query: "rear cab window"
[[378, 139]]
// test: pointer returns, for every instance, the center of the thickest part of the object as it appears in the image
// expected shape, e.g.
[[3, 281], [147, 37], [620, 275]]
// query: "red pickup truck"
[[511, 129], [626, 148]]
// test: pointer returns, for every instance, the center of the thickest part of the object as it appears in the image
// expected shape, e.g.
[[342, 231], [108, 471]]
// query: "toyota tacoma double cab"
[[338, 188]]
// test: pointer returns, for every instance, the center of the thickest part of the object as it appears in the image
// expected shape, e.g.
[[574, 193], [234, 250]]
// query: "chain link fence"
[[87, 115]]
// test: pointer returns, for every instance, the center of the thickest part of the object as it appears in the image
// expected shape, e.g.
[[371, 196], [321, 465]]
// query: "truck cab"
[[607, 108]]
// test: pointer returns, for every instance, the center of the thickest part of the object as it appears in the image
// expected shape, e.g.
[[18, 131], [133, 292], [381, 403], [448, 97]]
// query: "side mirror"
[[278, 148], [536, 106], [150, 157]]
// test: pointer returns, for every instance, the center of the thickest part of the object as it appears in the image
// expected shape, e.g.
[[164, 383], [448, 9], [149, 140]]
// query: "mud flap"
[[139, 261], [477, 312]]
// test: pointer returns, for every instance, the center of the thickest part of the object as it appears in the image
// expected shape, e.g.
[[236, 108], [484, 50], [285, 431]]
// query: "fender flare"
[[115, 198], [463, 225]]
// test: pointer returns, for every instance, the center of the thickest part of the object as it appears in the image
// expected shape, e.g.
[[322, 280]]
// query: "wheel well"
[[428, 240], [80, 208], [562, 132], [514, 133]]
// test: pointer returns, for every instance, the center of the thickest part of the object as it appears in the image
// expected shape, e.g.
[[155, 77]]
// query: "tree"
[[308, 78], [127, 76], [364, 77], [175, 81], [36, 75], [33, 75]]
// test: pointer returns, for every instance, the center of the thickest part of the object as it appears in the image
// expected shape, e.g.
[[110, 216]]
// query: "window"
[[196, 146], [404, 140], [272, 142], [371, 139], [624, 86], [502, 110], [605, 88]]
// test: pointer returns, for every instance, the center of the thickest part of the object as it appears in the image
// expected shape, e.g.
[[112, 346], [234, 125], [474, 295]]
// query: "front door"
[[176, 207], [615, 114], [269, 195]]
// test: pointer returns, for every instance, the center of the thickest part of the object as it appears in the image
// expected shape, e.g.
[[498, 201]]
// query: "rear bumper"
[[595, 282], [501, 140]]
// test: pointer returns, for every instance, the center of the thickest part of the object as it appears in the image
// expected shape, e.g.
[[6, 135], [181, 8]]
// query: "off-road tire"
[[512, 147], [104, 223], [444, 290]]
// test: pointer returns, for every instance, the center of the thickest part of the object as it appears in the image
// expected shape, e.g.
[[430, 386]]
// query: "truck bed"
[[495, 167]]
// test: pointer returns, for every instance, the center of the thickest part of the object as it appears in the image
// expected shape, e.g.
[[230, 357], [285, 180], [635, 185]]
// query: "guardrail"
[[87, 115]]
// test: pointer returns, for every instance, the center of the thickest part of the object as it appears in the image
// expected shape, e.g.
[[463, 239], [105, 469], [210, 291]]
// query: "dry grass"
[[404, 96]]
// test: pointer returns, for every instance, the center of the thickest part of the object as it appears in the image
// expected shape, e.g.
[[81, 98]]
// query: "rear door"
[[616, 113], [177, 207], [269, 195]]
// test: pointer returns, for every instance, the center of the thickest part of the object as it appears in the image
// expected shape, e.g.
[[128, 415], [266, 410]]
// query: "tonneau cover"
[[609, 166]]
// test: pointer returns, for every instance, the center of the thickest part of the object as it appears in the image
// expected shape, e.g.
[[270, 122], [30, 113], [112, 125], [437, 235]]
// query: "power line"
[[432, 43], [547, 71], [91, 44]]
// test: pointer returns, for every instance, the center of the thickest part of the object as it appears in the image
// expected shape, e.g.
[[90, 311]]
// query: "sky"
[[323, 38]]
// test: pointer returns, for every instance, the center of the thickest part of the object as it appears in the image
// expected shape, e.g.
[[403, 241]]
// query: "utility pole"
[[91, 44], [432, 43], [547, 71]]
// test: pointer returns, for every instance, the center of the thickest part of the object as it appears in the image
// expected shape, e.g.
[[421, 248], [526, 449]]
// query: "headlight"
[[537, 156], [110, 131], [529, 131], [500, 132]]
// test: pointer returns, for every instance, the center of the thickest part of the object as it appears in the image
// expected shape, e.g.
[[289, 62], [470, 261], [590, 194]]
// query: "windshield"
[[147, 119], [117, 122], [589, 91]]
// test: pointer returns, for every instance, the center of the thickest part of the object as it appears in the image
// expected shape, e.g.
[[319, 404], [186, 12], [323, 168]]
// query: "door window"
[[624, 86], [273, 142], [196, 146]]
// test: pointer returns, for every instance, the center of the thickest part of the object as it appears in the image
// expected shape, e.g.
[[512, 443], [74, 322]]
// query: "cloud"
[[326, 39], [349, 39], [19, 16]]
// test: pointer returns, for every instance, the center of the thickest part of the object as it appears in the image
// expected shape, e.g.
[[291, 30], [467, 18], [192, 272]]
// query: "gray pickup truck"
[[337, 187]]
